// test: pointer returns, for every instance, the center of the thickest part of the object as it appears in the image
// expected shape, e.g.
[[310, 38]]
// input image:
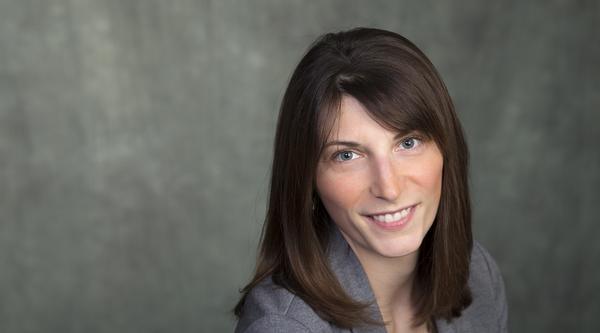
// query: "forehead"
[[351, 111], [354, 121]]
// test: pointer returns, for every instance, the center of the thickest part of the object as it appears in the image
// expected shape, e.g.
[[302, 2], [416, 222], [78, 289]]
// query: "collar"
[[351, 275]]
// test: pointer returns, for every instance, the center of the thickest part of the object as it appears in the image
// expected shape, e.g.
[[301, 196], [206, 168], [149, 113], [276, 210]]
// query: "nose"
[[386, 180]]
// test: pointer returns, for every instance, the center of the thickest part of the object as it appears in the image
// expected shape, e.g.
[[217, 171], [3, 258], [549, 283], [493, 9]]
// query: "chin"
[[394, 248]]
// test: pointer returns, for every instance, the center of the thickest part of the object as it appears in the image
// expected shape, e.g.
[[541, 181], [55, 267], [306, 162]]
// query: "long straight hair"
[[401, 90]]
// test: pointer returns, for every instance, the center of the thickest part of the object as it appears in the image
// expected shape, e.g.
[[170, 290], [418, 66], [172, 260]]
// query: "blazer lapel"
[[352, 277]]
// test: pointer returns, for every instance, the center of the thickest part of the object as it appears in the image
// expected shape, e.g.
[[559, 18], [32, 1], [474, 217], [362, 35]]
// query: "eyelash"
[[337, 154], [418, 140], [415, 138]]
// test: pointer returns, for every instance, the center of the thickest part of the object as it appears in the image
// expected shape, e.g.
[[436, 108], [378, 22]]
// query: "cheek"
[[337, 192], [430, 177]]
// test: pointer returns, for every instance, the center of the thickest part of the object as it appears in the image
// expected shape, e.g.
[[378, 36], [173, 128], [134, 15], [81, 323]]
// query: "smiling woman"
[[368, 227], [381, 189]]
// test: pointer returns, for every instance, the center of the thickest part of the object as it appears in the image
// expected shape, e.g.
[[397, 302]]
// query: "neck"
[[391, 280]]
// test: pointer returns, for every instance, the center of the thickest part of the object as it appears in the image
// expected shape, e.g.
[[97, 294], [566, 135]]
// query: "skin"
[[381, 171]]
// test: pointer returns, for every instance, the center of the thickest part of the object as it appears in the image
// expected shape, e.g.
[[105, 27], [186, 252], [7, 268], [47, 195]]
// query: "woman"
[[368, 226]]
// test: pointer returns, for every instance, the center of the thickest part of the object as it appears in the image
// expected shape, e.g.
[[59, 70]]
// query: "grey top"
[[270, 308]]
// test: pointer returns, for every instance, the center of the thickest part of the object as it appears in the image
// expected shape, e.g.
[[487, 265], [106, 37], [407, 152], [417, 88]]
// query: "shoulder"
[[271, 308], [489, 310], [484, 272]]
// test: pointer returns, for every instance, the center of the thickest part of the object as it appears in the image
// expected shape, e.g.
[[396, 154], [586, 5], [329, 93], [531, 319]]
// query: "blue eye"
[[409, 143], [345, 156]]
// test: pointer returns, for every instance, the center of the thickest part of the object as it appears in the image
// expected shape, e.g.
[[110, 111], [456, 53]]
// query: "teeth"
[[389, 218]]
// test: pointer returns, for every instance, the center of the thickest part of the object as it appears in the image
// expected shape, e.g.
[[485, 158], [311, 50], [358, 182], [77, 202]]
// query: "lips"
[[392, 217], [394, 220]]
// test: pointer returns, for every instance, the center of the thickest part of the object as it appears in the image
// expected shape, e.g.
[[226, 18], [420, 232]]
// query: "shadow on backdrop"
[[135, 143]]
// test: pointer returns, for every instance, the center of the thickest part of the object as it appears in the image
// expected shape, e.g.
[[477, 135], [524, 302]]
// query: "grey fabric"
[[270, 308]]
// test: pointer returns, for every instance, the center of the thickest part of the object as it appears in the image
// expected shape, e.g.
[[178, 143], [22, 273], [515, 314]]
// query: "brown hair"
[[401, 90]]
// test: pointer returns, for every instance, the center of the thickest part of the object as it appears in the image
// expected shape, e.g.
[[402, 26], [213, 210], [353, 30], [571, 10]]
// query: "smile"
[[393, 221], [393, 216], [390, 218]]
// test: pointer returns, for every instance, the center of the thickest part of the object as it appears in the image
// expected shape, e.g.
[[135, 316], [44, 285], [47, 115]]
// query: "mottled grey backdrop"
[[135, 142]]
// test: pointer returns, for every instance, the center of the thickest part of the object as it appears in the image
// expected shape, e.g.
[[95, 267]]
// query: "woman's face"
[[381, 188]]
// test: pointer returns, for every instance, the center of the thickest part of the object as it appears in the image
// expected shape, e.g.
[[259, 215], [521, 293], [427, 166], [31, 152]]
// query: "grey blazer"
[[270, 308]]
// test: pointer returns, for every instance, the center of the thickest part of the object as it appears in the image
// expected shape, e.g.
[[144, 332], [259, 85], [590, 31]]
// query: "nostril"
[[385, 191], [385, 181]]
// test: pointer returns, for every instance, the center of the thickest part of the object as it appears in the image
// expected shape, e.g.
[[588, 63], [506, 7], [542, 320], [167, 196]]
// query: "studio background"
[[136, 136]]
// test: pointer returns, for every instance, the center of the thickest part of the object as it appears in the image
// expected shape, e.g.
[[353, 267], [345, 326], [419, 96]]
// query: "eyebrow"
[[353, 144]]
